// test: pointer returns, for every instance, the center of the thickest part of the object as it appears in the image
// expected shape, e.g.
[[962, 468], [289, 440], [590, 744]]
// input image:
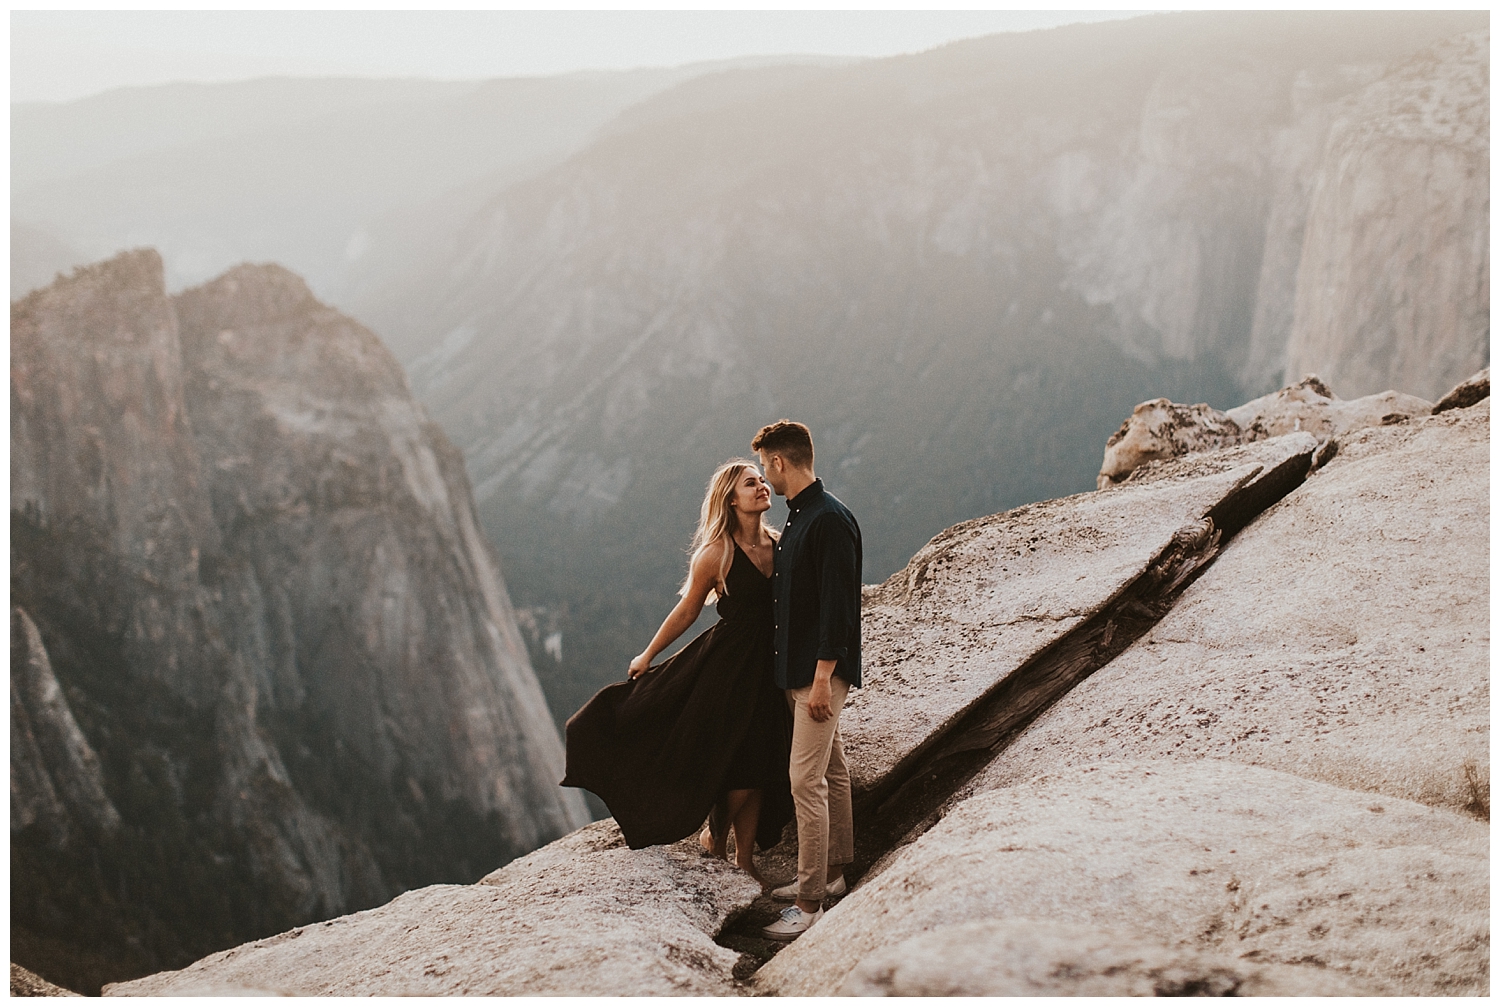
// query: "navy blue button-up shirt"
[[816, 589]]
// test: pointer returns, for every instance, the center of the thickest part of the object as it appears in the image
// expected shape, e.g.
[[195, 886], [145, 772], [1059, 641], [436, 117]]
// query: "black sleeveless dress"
[[659, 750]]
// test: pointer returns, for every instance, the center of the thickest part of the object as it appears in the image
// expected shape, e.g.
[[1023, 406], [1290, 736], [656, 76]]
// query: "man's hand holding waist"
[[820, 699]]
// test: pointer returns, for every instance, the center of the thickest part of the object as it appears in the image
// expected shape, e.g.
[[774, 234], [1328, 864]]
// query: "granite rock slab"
[[1343, 636], [1269, 868], [982, 598], [1038, 958], [582, 916]]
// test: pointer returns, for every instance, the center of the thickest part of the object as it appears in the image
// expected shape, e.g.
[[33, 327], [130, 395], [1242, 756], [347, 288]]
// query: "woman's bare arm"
[[701, 580]]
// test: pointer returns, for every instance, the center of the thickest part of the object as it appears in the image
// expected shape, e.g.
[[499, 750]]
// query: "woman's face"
[[751, 494]]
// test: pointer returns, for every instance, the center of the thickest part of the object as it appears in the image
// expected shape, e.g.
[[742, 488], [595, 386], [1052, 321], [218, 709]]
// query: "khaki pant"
[[820, 791]]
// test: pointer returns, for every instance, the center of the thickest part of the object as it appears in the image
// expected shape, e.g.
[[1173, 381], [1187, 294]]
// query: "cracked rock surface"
[[1267, 867], [1289, 769], [1275, 791], [984, 596], [1342, 636]]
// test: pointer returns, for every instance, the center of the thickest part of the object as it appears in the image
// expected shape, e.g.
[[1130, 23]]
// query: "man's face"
[[775, 470]]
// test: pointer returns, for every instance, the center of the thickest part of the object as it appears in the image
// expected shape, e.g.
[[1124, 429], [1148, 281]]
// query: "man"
[[816, 591]]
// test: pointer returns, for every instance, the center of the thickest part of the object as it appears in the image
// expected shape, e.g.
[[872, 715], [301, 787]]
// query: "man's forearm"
[[824, 671]]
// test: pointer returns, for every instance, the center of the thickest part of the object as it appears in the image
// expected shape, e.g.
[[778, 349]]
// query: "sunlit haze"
[[62, 55], [370, 371]]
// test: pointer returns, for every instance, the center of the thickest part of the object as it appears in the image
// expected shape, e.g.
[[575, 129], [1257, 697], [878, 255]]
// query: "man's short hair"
[[787, 438]]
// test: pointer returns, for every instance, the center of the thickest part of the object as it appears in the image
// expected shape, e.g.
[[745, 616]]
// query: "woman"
[[707, 729]]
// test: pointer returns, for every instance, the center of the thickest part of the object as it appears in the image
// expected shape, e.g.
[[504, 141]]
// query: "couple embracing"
[[741, 727]]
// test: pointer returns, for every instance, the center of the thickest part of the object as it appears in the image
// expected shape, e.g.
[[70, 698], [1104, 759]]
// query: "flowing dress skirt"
[[659, 750]]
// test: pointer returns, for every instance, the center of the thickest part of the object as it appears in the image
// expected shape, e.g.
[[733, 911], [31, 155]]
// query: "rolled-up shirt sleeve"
[[835, 555]]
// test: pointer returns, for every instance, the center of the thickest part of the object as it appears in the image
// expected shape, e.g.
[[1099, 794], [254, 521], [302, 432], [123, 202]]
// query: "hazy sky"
[[60, 55]]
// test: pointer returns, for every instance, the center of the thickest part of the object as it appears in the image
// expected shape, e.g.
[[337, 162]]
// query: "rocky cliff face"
[[57, 786], [264, 666], [960, 267], [1393, 286]]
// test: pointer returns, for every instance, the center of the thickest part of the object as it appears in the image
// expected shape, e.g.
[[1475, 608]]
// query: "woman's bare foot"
[[748, 866], [710, 848]]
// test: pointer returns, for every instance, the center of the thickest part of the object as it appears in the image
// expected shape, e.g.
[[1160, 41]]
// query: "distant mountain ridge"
[[957, 266], [304, 172], [57, 140]]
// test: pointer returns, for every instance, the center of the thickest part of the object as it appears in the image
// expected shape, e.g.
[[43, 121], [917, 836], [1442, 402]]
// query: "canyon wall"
[[959, 267], [1393, 285], [265, 669]]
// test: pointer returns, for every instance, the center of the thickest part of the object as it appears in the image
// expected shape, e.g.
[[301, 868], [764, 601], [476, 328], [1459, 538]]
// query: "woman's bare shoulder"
[[712, 555]]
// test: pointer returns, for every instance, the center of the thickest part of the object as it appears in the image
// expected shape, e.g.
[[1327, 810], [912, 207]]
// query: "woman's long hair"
[[716, 521]]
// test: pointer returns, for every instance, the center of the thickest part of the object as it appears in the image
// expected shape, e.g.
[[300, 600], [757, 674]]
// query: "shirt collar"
[[813, 492]]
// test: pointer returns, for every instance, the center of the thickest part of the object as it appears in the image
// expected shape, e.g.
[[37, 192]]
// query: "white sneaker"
[[788, 893], [793, 924]]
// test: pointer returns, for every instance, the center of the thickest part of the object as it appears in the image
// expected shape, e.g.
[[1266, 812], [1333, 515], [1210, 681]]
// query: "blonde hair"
[[716, 523]]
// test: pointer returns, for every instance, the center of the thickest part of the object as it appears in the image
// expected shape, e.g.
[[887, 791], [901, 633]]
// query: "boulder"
[[1466, 393], [1393, 284], [1162, 429], [1310, 405], [984, 597], [1254, 864], [1342, 636], [1019, 957], [1159, 430], [583, 916]]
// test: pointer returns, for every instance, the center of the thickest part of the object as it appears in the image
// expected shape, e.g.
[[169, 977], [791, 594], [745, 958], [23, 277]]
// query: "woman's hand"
[[687, 609]]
